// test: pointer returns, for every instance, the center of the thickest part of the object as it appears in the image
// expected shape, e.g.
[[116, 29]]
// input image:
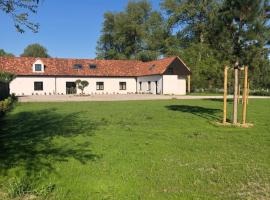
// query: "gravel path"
[[118, 97]]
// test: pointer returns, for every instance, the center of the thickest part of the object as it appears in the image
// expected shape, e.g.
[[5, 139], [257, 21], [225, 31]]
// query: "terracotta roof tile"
[[64, 66]]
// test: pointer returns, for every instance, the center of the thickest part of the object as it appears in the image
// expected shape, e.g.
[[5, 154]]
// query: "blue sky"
[[68, 28]]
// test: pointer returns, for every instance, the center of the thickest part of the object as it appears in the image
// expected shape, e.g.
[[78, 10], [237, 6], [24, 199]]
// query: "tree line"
[[206, 34], [32, 50]]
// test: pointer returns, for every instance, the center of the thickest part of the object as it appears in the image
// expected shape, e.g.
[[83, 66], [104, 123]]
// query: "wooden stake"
[[188, 84], [245, 92], [238, 94], [225, 94], [235, 105]]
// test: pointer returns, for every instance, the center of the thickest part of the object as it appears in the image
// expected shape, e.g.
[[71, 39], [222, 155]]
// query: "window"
[[100, 85], [92, 66], [140, 85], [38, 86], [170, 70], [122, 85], [38, 67], [77, 66], [149, 85]]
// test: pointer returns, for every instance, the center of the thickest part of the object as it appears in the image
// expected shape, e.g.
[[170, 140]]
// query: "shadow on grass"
[[206, 113], [33, 141], [220, 100]]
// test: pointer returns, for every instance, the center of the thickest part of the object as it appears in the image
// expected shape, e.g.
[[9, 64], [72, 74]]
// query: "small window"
[[149, 85], [92, 66], [38, 86], [77, 66], [38, 67], [140, 85], [170, 70], [100, 85], [122, 85]]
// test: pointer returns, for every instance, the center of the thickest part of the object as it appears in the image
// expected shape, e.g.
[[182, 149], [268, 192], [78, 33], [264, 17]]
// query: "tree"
[[191, 19], [191, 22], [242, 34], [35, 50], [81, 85], [5, 79], [136, 33], [3, 53], [19, 11]]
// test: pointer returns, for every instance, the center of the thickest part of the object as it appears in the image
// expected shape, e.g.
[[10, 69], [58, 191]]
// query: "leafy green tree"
[[5, 79], [136, 33], [191, 19], [81, 84], [3, 53], [242, 34], [35, 50], [19, 11], [191, 22], [206, 72]]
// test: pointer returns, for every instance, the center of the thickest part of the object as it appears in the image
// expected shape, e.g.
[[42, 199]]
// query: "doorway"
[[71, 88]]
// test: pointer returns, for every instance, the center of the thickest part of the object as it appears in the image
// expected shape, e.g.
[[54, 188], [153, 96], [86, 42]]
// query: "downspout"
[[162, 84], [55, 90], [136, 85]]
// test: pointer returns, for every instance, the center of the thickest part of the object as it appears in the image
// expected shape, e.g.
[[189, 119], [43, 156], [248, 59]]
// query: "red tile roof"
[[64, 67]]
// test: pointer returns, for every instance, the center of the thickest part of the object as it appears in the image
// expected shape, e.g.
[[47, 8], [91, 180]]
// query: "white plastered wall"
[[144, 81], [111, 85], [51, 85], [173, 84], [25, 85]]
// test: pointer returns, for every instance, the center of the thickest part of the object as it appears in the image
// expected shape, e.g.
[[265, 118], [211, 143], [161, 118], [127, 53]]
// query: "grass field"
[[133, 150]]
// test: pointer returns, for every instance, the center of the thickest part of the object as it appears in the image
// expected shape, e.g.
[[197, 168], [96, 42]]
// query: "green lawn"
[[134, 150]]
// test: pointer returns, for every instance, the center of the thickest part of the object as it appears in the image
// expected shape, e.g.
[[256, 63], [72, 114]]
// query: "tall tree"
[[19, 11], [191, 18], [242, 34], [3, 53], [138, 32], [35, 50], [191, 22]]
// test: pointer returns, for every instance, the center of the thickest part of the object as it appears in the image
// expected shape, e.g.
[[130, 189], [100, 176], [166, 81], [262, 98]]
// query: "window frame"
[[38, 63], [170, 70], [99, 84], [35, 67], [92, 66], [36, 86], [77, 66], [122, 85]]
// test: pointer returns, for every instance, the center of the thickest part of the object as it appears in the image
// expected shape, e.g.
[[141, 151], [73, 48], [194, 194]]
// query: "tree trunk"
[[235, 103]]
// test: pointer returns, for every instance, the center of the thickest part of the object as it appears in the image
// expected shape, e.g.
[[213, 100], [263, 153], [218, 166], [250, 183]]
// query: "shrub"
[[6, 104], [260, 92]]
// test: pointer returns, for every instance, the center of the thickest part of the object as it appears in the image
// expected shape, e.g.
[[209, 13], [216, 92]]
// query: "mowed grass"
[[137, 150]]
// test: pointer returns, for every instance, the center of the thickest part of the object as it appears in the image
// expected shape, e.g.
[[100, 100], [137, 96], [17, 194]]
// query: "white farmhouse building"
[[47, 76]]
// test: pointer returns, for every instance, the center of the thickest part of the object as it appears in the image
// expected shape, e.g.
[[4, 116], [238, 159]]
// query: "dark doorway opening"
[[71, 88], [156, 87]]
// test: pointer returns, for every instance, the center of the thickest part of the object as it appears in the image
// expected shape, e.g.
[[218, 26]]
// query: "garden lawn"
[[134, 150]]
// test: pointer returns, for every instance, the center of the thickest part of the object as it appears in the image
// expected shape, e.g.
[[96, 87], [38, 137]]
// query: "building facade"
[[50, 76]]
